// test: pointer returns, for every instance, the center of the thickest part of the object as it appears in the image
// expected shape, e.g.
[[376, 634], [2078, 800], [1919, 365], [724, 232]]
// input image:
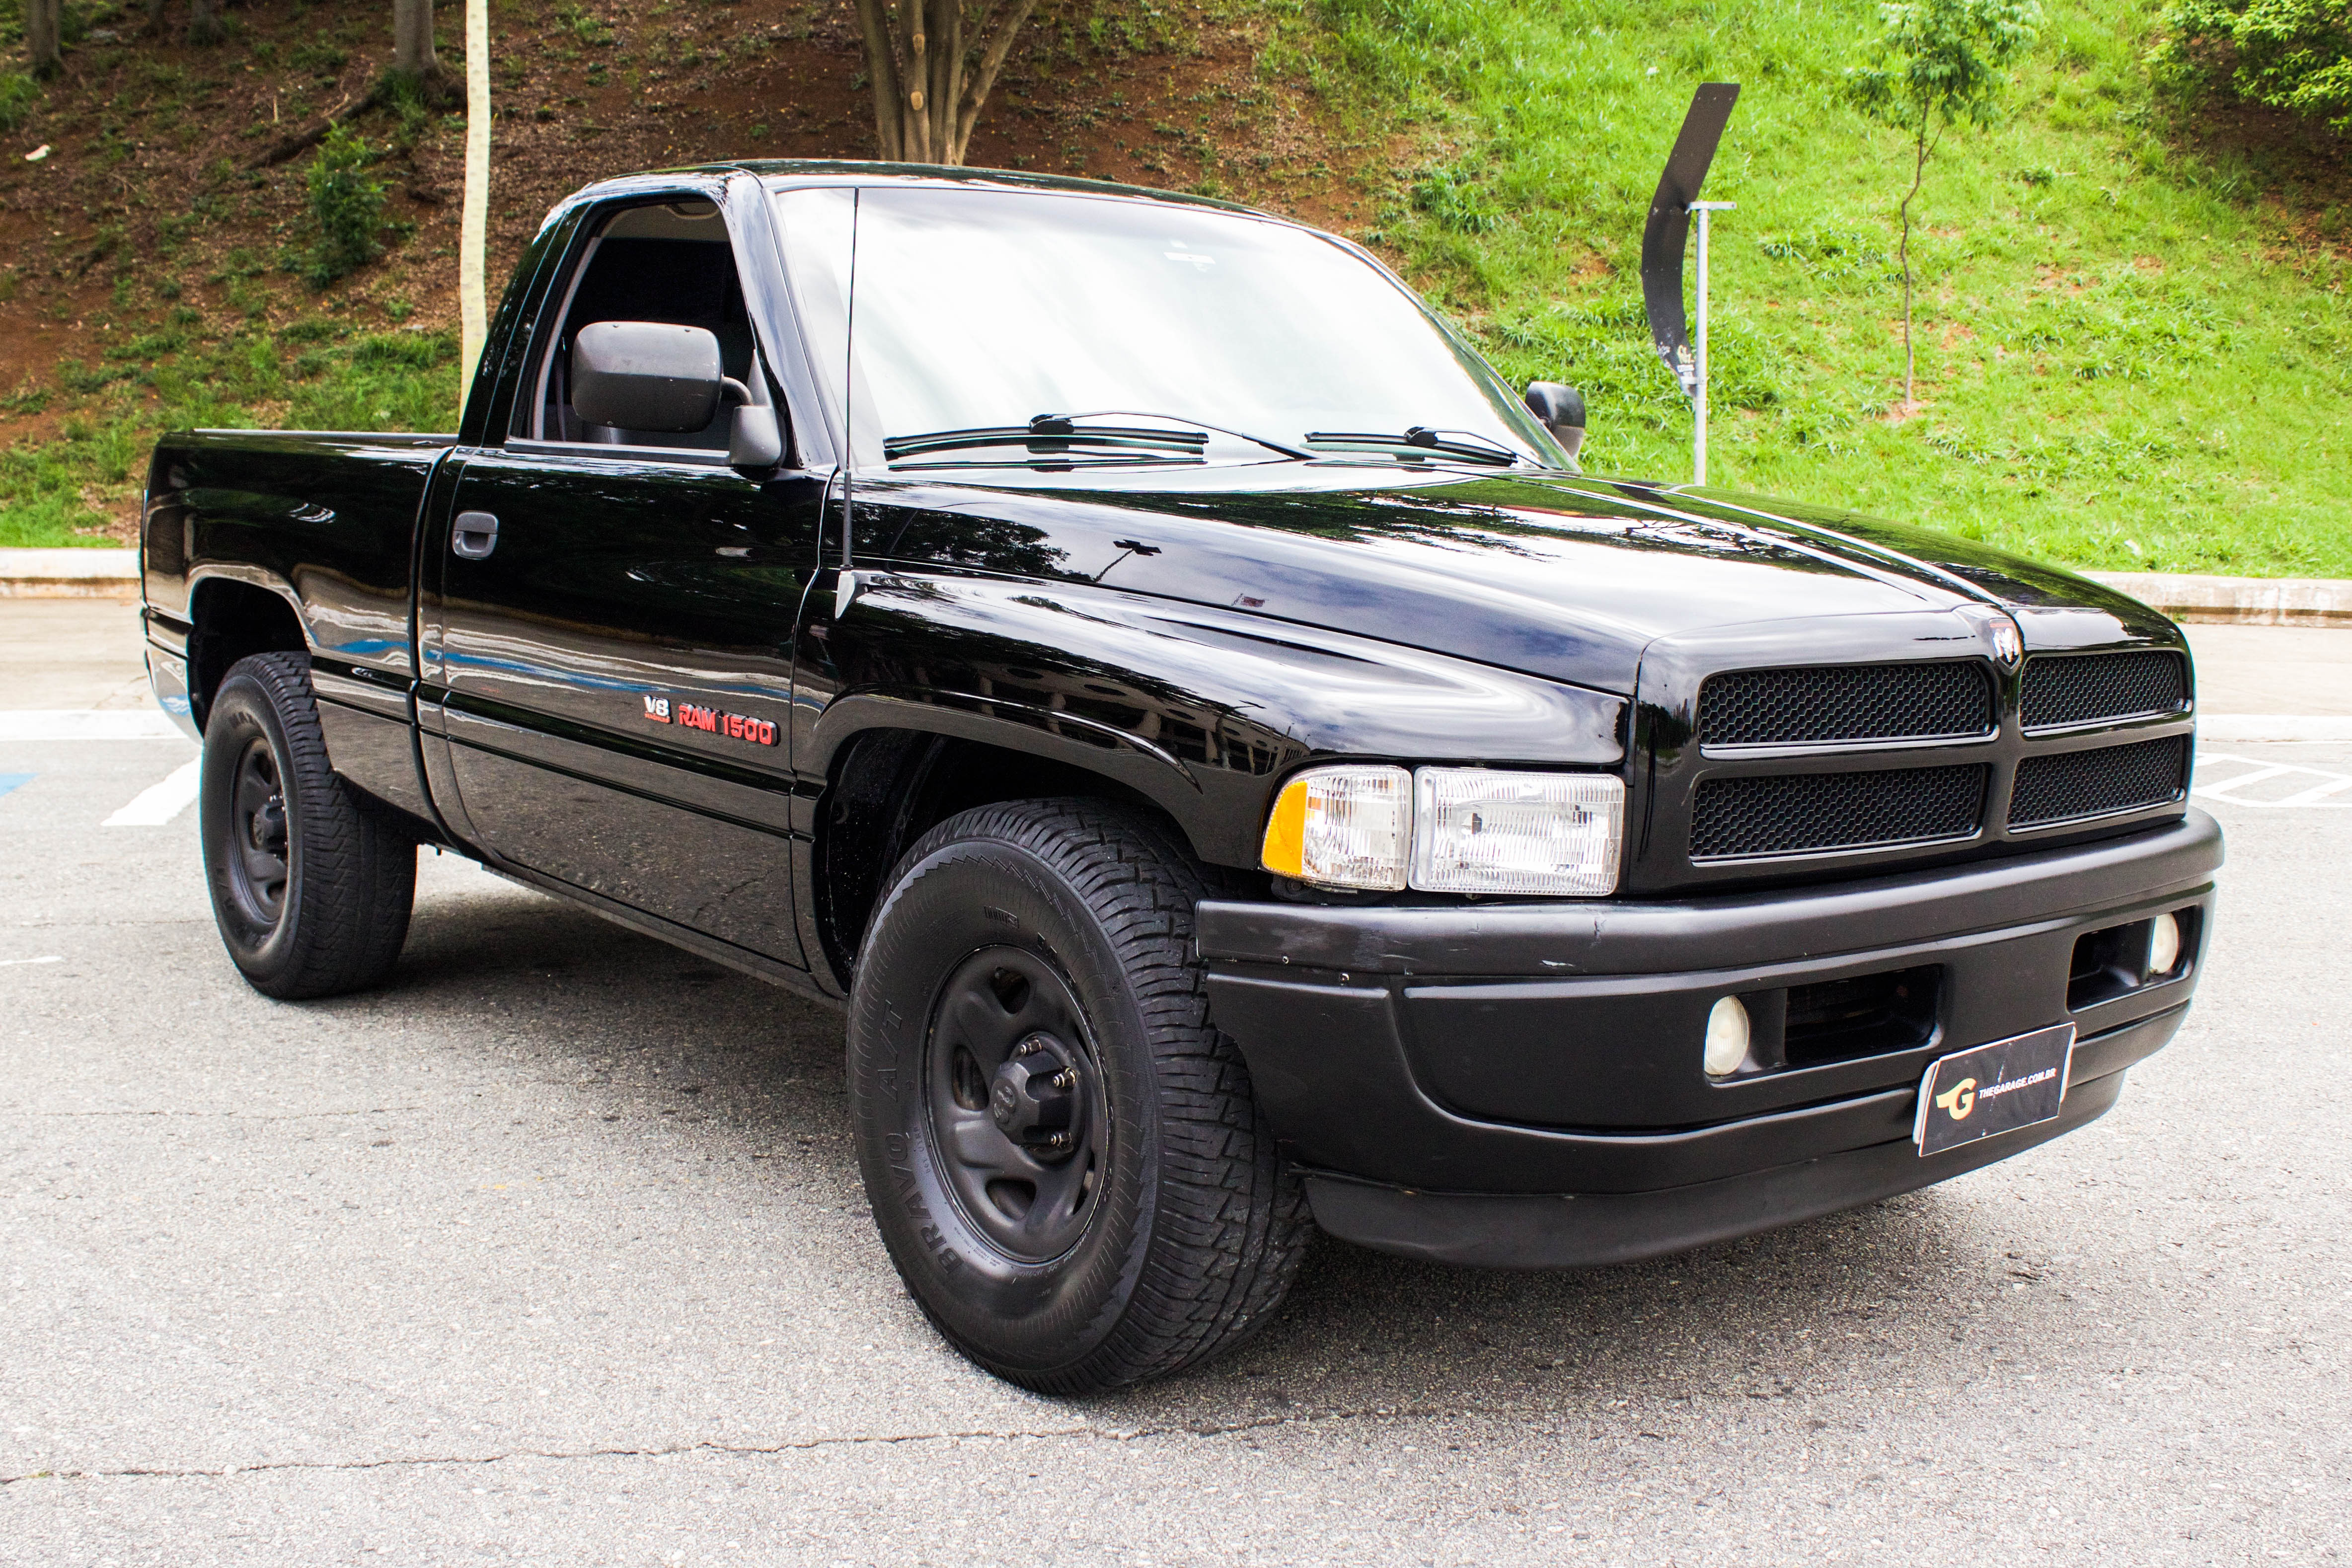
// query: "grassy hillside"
[[2135, 343], [2133, 352]]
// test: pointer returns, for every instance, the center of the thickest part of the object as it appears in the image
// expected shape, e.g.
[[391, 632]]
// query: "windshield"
[[979, 312]]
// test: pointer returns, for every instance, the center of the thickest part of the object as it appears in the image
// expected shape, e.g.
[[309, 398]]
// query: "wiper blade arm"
[[1055, 434], [1471, 446], [1048, 435]]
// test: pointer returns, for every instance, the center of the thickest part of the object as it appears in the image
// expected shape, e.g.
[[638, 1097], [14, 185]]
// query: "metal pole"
[[1698, 394]]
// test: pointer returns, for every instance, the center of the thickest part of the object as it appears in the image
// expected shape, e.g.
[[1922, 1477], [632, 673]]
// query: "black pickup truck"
[[1236, 772]]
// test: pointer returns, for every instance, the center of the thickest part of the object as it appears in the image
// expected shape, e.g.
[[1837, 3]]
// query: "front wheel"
[[311, 884], [1063, 1154]]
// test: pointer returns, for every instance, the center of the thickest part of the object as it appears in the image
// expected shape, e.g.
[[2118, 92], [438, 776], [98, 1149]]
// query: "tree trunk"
[[204, 21], [42, 43], [931, 65], [473, 217], [411, 40], [1903, 252]]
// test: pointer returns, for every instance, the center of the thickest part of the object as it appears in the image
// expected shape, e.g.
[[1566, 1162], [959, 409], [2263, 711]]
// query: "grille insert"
[[1799, 813], [2074, 786], [2103, 688], [1869, 1015], [1845, 702]]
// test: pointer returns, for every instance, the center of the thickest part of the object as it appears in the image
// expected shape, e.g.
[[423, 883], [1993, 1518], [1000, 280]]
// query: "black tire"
[[311, 884], [1065, 926]]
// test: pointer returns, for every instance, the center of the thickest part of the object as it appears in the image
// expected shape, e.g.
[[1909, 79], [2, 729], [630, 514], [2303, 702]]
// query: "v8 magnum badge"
[[711, 720]]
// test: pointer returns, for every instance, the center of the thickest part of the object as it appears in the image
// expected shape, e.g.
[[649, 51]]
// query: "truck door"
[[615, 621]]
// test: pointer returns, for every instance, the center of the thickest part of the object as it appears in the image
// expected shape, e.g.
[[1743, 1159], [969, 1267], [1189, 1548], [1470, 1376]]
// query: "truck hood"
[[1554, 575]]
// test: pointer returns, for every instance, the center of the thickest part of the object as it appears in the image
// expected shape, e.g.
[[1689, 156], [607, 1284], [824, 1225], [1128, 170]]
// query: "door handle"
[[474, 535]]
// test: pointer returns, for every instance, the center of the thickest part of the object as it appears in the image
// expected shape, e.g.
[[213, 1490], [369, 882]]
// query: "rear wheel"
[[1063, 1154], [311, 884]]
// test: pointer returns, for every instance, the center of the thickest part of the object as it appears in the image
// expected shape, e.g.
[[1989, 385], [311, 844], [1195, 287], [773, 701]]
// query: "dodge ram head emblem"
[[693, 715], [2008, 642]]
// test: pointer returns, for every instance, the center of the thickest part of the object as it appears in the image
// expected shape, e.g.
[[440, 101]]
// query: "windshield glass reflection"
[[979, 312]]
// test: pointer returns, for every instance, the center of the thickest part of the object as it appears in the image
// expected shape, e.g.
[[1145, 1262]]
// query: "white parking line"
[[2317, 791], [87, 724], [159, 803], [45, 958]]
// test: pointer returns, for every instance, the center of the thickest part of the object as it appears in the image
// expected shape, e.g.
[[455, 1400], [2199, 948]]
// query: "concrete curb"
[[2245, 726], [2245, 600], [68, 573]]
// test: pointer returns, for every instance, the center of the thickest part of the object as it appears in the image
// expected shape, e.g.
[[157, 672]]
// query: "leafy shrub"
[[585, 26], [1456, 198], [346, 206], [19, 94], [405, 351], [2295, 55]]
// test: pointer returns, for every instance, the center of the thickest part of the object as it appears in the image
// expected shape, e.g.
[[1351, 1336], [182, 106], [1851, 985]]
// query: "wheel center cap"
[[267, 827], [1032, 1098]]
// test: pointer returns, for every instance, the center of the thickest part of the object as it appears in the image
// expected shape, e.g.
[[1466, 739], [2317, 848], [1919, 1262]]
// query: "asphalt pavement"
[[554, 1252]]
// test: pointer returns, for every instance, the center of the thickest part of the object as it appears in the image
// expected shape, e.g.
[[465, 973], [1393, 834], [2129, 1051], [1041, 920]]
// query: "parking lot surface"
[[554, 1252]]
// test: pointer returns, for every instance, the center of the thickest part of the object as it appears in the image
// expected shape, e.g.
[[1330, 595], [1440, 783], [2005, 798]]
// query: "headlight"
[[1477, 830], [1449, 829]]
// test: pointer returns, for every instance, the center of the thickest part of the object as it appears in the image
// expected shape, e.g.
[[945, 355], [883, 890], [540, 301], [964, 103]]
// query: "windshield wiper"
[[1466, 445], [1053, 435], [1064, 437]]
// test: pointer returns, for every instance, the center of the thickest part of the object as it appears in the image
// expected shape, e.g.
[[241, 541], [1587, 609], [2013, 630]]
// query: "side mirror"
[[1562, 409], [645, 375]]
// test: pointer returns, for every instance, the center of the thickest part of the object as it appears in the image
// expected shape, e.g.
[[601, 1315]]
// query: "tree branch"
[[882, 74], [994, 48]]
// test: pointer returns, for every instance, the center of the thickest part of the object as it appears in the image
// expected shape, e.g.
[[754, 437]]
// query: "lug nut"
[[1066, 1079]]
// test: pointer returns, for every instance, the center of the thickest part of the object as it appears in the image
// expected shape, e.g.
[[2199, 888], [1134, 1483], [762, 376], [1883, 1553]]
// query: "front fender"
[[1201, 710]]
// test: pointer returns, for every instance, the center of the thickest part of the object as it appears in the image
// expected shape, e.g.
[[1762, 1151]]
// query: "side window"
[[668, 262]]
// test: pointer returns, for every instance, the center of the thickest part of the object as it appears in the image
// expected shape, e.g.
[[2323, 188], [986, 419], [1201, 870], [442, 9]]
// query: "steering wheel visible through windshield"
[[1000, 328]]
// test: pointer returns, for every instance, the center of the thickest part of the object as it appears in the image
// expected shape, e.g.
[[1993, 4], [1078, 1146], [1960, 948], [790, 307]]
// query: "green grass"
[[2127, 361], [314, 373], [2131, 356]]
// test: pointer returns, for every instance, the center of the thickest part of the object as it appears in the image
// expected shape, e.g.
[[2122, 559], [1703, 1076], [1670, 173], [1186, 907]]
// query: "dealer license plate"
[[1991, 1088]]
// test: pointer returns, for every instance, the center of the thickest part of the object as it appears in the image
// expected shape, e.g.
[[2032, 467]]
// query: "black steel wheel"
[[257, 832], [311, 884], [1016, 1100], [1063, 1154]]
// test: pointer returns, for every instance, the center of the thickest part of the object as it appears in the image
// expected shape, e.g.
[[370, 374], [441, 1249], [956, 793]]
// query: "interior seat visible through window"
[[670, 263]]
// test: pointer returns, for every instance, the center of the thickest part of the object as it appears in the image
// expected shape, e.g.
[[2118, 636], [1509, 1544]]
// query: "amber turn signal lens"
[[1346, 826]]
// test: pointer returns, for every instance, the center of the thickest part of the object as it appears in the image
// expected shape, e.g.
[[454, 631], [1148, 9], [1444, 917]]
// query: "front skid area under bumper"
[[1520, 1086], [1568, 1231]]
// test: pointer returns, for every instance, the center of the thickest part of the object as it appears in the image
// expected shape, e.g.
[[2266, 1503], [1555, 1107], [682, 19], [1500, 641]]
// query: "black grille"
[[2096, 688], [1783, 814], [1869, 1015], [2069, 786], [1845, 702]]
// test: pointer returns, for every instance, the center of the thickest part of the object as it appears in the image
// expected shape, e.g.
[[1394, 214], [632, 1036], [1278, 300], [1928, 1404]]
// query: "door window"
[[668, 262]]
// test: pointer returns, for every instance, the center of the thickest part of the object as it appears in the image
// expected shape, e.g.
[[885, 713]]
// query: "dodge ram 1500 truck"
[[1234, 769]]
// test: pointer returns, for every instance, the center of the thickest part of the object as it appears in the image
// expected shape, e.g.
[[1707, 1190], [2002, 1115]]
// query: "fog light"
[[1727, 1037], [2163, 946]]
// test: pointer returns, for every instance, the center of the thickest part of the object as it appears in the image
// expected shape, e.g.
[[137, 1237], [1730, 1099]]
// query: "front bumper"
[[1520, 1084]]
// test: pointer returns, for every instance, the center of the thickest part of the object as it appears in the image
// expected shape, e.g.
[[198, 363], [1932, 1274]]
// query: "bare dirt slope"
[[158, 191]]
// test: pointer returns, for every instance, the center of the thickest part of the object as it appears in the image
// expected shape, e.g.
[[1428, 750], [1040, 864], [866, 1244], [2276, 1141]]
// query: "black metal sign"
[[1662, 237]]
